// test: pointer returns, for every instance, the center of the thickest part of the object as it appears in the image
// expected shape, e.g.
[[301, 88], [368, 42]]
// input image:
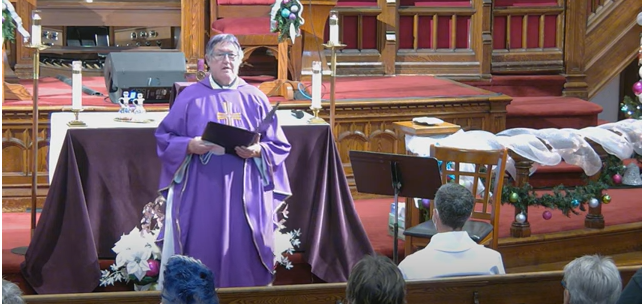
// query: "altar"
[[106, 172]]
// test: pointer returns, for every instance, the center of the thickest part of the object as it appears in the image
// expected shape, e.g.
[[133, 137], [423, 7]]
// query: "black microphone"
[[297, 113], [85, 89]]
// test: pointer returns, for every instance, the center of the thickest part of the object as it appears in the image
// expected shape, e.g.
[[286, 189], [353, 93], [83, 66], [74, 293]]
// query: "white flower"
[[138, 266]]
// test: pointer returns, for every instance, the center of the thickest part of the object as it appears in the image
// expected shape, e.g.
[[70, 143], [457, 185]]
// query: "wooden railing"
[[525, 288]]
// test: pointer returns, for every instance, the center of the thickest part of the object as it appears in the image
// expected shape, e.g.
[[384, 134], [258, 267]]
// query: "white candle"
[[334, 28], [36, 30], [316, 84], [76, 85]]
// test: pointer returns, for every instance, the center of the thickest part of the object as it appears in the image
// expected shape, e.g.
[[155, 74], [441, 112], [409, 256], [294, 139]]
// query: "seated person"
[[188, 281], [632, 293], [451, 252], [375, 280], [591, 279], [11, 293]]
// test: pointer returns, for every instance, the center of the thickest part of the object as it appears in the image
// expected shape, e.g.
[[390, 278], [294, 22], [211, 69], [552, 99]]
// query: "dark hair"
[[376, 280], [188, 281], [454, 204]]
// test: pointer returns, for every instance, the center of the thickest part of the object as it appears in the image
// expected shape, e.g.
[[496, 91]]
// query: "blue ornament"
[[575, 203], [285, 13]]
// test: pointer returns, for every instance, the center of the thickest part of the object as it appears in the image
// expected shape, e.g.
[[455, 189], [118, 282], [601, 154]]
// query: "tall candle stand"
[[333, 67], [34, 142]]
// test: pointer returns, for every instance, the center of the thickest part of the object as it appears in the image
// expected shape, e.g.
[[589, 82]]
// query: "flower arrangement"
[[284, 242], [8, 27], [137, 255], [286, 19]]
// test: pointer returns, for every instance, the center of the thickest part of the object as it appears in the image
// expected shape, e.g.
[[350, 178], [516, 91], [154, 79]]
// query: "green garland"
[[563, 199], [289, 8], [8, 27]]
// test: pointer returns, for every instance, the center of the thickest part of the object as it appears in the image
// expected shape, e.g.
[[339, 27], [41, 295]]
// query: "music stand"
[[395, 174]]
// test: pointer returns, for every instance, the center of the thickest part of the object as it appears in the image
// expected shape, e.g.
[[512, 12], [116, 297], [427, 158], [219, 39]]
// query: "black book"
[[230, 137]]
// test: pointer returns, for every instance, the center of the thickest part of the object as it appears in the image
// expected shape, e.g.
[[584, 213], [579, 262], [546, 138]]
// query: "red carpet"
[[624, 208], [53, 92]]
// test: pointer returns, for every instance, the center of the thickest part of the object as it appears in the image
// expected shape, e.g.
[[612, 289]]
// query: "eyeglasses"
[[563, 284], [221, 56]]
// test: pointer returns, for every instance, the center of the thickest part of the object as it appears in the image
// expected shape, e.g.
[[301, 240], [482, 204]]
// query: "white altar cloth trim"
[[105, 120]]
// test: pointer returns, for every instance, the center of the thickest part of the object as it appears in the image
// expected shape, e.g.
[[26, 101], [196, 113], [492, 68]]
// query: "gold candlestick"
[[333, 66], [76, 122], [316, 119]]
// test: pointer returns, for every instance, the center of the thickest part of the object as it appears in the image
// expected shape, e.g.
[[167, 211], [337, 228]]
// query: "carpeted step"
[[561, 174], [523, 85], [551, 112]]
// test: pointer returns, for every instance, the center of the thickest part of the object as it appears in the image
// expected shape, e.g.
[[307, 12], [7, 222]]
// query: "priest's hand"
[[198, 146], [249, 152]]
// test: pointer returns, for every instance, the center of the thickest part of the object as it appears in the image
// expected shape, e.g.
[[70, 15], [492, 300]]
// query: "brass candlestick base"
[[316, 119], [76, 122]]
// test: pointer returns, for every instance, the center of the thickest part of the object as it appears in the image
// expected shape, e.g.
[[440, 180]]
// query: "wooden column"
[[389, 19], [523, 166], [195, 26], [482, 37], [594, 218], [574, 46], [24, 61]]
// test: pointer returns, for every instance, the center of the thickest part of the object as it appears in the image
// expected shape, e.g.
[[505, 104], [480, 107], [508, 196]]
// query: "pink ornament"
[[547, 215], [637, 88], [617, 178], [154, 268], [286, 1]]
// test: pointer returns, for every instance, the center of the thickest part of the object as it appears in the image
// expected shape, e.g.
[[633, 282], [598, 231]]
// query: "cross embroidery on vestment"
[[228, 116]]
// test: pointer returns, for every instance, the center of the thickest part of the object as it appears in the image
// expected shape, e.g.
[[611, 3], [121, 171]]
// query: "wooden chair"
[[483, 223], [249, 21]]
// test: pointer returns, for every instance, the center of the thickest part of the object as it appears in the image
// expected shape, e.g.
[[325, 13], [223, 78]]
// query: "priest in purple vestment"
[[222, 206]]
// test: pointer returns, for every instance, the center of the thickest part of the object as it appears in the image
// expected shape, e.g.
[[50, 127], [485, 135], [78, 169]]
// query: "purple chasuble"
[[223, 207]]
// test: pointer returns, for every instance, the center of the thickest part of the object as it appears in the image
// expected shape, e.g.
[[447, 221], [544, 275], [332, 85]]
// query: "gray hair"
[[11, 293], [455, 204], [376, 280], [592, 279], [222, 38]]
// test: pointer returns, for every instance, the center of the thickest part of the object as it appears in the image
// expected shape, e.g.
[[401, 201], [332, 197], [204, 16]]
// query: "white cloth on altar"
[[105, 120], [451, 254]]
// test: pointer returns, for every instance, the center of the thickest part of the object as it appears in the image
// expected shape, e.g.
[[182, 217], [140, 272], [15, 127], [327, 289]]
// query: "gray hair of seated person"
[[376, 280], [188, 281], [219, 39], [11, 293], [454, 204], [592, 279]]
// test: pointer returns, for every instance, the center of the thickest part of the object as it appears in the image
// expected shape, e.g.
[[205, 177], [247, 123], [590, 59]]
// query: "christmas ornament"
[[593, 203], [292, 16], [426, 203], [514, 197], [520, 218], [285, 13], [639, 20], [547, 215], [637, 88], [154, 268], [606, 198], [575, 203], [286, 1], [617, 178], [294, 8]]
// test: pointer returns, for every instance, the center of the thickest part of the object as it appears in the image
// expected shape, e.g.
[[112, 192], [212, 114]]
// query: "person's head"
[[188, 281], [591, 279], [11, 293], [376, 280], [224, 55], [453, 206]]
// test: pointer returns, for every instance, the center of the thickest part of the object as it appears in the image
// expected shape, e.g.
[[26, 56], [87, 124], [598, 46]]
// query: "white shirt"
[[451, 254]]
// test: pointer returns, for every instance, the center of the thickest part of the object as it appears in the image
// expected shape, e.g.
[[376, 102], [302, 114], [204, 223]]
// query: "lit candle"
[[76, 85], [334, 28], [36, 29], [316, 84]]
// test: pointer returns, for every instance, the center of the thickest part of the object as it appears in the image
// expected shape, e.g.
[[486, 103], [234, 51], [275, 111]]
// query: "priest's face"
[[224, 63]]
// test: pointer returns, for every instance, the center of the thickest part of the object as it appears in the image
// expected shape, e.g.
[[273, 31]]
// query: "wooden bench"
[[525, 288]]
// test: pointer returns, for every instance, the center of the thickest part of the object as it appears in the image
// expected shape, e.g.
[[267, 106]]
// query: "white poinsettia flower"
[[139, 266], [128, 241]]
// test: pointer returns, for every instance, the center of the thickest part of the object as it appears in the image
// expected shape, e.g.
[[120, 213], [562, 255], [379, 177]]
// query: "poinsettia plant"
[[286, 19], [137, 255]]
